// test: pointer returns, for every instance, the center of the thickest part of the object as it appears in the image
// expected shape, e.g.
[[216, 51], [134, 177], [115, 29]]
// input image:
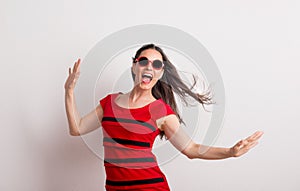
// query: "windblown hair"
[[171, 82]]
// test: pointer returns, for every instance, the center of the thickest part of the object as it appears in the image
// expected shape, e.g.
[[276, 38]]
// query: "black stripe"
[[129, 160], [134, 182], [120, 120], [126, 142]]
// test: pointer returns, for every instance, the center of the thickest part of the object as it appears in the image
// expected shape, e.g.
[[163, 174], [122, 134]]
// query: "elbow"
[[194, 156], [74, 133], [74, 130], [191, 151], [188, 154]]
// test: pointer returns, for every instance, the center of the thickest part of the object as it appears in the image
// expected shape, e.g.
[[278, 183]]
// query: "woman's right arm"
[[79, 125]]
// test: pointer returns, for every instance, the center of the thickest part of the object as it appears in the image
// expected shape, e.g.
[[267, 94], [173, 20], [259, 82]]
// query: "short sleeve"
[[169, 110], [104, 101], [160, 109]]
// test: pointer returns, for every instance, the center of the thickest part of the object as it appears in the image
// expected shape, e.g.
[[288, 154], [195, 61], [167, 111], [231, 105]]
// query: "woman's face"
[[146, 76]]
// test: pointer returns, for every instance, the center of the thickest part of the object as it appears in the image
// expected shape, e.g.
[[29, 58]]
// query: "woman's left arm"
[[178, 137]]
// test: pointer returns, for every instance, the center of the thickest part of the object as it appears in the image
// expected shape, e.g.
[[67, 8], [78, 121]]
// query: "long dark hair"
[[171, 82]]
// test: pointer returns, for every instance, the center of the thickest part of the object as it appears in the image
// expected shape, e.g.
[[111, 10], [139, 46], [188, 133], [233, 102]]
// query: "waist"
[[129, 158]]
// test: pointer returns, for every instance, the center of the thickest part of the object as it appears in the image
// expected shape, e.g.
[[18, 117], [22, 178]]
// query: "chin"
[[148, 86]]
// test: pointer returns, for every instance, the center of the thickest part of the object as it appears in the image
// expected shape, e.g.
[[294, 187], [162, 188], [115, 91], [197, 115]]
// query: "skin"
[[140, 96]]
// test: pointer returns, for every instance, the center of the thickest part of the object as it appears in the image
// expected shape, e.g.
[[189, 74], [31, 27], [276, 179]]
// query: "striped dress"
[[128, 136]]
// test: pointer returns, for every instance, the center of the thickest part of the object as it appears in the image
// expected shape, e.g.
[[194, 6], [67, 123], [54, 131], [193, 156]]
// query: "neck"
[[137, 94]]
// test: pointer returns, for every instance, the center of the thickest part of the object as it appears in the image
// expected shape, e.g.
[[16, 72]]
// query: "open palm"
[[73, 76], [245, 145]]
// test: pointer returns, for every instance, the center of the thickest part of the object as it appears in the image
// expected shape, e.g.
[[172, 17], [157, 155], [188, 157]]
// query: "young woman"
[[131, 122]]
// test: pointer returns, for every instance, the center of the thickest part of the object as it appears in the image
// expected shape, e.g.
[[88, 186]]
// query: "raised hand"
[[245, 145], [73, 76]]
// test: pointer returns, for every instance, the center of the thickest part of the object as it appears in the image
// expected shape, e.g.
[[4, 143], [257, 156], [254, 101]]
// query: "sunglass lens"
[[143, 61], [157, 64]]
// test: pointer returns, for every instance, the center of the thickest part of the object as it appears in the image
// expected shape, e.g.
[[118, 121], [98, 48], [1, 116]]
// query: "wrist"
[[229, 152]]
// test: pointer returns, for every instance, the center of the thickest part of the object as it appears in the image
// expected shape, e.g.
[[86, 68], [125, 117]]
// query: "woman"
[[132, 121]]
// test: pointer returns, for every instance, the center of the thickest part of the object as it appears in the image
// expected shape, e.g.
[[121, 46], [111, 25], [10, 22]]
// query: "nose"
[[149, 66]]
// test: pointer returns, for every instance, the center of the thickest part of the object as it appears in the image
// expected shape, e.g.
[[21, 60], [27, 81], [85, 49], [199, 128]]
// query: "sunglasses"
[[144, 61]]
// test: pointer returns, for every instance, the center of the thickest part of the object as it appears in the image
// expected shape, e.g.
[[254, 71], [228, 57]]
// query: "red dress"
[[128, 136]]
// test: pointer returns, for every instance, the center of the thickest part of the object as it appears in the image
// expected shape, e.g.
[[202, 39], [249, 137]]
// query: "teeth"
[[147, 75]]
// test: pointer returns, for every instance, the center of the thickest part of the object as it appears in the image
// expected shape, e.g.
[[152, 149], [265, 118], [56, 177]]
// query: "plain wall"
[[254, 44]]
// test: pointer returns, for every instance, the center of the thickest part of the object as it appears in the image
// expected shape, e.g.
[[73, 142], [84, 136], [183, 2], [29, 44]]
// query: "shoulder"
[[107, 99], [110, 95], [161, 108], [162, 113]]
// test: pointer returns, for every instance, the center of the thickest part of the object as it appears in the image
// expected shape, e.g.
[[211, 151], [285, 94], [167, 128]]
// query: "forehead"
[[151, 54]]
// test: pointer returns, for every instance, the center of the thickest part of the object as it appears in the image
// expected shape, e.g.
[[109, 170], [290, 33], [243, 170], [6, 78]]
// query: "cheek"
[[134, 69], [158, 75], [135, 72]]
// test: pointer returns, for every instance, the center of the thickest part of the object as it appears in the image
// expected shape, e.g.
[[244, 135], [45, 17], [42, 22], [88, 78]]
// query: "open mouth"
[[146, 78]]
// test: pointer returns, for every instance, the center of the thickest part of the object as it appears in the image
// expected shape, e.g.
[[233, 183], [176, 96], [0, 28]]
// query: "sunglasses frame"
[[137, 60]]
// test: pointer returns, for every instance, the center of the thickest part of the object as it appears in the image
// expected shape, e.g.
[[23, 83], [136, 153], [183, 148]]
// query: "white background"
[[255, 45]]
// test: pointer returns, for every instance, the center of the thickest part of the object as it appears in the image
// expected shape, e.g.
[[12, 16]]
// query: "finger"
[[259, 135], [73, 69], [76, 66], [250, 146], [254, 136], [245, 148], [70, 71]]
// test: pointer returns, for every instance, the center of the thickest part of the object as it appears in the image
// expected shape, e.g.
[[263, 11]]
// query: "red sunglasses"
[[144, 61]]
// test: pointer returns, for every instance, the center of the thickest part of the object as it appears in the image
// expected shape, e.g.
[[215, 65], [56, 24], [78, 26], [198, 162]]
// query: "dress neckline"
[[136, 108]]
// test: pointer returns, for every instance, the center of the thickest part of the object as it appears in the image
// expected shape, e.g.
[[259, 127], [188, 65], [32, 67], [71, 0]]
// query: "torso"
[[129, 135]]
